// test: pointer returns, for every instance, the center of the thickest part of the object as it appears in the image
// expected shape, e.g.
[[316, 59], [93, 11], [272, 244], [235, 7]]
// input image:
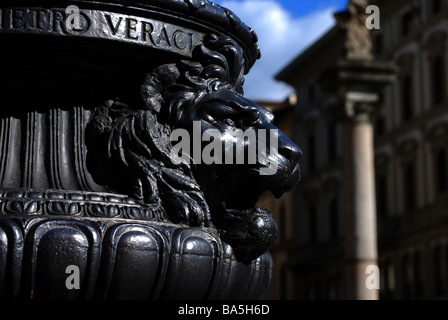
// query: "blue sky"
[[284, 28], [300, 8]]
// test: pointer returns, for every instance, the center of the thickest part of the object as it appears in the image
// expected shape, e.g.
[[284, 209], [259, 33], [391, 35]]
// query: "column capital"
[[360, 106], [357, 87]]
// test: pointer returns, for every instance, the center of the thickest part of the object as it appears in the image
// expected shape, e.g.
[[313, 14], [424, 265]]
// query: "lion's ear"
[[151, 90]]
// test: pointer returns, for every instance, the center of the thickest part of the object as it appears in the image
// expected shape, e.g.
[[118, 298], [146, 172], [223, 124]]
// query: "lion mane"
[[129, 149]]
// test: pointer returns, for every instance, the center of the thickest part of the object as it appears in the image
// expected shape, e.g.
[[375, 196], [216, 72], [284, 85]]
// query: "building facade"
[[411, 163]]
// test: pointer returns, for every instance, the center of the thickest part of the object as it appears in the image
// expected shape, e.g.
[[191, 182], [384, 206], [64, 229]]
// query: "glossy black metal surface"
[[87, 175]]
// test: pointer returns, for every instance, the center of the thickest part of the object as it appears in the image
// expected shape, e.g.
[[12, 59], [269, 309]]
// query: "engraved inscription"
[[18, 18], [131, 27], [99, 24], [152, 33], [181, 40], [113, 27], [35, 19]]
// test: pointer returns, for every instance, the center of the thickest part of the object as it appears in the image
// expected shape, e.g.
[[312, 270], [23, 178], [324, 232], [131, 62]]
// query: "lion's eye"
[[229, 122], [252, 122]]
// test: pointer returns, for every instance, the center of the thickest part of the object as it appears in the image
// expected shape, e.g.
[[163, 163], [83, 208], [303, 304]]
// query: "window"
[[419, 288], [332, 141], [313, 223], [439, 271], [438, 138], [409, 187], [406, 23], [282, 222], [381, 195], [284, 284], [438, 80], [378, 40], [441, 170], [313, 290], [332, 287], [407, 277], [406, 98], [311, 93], [436, 6], [388, 280], [311, 143], [334, 218], [339, 281], [380, 125], [390, 270]]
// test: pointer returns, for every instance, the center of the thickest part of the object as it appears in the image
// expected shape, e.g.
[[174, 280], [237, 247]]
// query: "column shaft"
[[361, 214]]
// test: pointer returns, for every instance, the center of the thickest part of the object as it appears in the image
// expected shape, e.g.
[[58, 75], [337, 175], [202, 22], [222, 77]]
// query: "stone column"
[[360, 216], [358, 86], [357, 81]]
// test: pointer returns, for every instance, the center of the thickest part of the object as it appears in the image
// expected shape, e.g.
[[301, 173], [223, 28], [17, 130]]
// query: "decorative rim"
[[189, 16], [77, 204]]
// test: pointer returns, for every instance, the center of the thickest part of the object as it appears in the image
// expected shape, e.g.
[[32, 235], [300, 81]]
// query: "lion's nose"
[[289, 150], [292, 153]]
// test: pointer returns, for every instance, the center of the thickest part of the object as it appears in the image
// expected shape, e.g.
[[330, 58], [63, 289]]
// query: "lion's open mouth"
[[244, 196], [249, 230]]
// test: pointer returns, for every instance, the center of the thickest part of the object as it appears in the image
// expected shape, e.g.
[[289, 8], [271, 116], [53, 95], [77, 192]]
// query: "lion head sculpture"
[[135, 149]]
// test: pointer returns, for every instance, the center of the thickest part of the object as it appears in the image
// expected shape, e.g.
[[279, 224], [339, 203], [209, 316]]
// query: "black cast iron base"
[[116, 258]]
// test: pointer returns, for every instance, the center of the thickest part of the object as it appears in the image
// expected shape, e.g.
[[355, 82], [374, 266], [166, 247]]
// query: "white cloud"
[[281, 38]]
